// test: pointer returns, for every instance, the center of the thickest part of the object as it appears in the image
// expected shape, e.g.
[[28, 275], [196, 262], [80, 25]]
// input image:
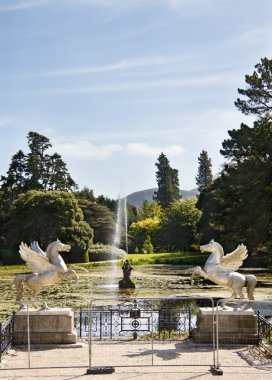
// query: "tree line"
[[40, 201]]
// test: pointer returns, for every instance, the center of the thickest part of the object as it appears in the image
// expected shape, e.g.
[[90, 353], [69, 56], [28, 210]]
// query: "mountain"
[[137, 199]]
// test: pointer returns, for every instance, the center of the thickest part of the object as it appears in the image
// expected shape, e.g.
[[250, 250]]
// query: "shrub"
[[100, 252], [147, 245], [10, 256]]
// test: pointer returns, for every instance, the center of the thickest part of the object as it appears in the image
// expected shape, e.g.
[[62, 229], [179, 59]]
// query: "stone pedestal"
[[54, 326], [234, 327]]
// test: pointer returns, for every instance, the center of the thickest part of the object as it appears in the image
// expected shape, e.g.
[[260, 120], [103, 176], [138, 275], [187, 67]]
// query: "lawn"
[[174, 258]]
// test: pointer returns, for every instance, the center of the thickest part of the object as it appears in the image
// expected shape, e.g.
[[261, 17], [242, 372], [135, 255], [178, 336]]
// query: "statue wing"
[[36, 261], [232, 261], [36, 248]]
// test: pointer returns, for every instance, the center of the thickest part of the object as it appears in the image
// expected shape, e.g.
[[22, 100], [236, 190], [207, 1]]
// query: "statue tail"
[[18, 282], [251, 283]]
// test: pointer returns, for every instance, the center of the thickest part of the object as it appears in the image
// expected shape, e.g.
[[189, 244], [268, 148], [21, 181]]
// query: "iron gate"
[[162, 328]]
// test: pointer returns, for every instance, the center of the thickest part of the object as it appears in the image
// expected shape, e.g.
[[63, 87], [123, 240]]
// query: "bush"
[[10, 256], [100, 252], [147, 245]]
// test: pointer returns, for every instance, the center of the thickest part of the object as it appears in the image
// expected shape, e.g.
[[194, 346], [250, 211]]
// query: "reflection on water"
[[138, 317], [107, 286], [113, 287]]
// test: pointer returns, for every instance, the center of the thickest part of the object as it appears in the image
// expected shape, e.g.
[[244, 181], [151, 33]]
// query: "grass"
[[174, 258]]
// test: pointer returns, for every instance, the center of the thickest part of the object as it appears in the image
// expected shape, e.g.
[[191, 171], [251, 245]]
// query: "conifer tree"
[[36, 160], [168, 182], [15, 178], [259, 90], [204, 177], [37, 170]]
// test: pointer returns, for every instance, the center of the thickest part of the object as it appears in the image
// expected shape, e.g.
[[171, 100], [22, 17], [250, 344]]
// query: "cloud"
[[212, 80], [85, 70], [83, 149], [123, 64], [131, 134], [143, 149], [119, 6], [23, 5], [18, 5]]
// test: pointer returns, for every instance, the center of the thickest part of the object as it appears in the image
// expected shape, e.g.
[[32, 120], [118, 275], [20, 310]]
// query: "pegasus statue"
[[47, 269], [221, 269]]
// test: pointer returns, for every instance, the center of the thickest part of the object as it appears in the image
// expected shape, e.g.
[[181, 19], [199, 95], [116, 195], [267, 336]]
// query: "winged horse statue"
[[221, 269], [47, 269]]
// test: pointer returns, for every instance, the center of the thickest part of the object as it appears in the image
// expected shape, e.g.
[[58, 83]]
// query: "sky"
[[114, 83]]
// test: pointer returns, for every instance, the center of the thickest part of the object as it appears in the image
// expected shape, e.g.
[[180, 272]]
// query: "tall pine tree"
[[168, 182], [37, 170], [36, 160], [204, 177], [15, 178], [259, 90]]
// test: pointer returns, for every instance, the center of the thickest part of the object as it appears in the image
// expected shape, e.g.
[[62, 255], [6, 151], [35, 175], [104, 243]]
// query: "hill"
[[136, 199]]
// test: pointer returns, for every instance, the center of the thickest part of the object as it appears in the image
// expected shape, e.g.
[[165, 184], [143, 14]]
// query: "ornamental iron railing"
[[6, 335], [264, 329], [165, 317]]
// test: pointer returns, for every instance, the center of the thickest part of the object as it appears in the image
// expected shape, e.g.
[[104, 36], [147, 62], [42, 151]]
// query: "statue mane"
[[220, 249], [49, 248]]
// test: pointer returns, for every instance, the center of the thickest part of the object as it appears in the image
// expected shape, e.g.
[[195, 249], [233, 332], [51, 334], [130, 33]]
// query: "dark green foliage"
[[245, 187], [168, 182], [131, 214], [258, 91], [108, 202], [10, 256], [101, 252], [178, 226], [237, 207], [204, 177], [85, 194], [56, 176], [250, 143], [208, 205], [15, 178], [36, 170], [101, 220], [46, 216]]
